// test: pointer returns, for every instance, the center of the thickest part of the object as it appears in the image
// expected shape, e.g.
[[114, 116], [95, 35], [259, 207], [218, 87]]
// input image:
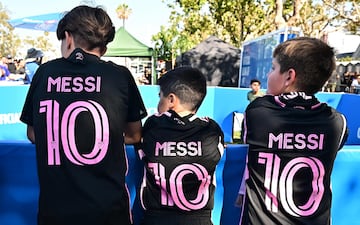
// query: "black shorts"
[[166, 218]]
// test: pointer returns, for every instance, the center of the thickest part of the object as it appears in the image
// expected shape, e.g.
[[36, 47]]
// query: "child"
[[293, 139], [180, 152], [80, 111], [255, 90]]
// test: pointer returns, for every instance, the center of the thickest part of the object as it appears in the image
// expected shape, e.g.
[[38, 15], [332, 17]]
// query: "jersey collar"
[[297, 100], [79, 56]]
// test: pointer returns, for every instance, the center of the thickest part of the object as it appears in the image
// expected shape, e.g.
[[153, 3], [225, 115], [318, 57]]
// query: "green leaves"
[[236, 21]]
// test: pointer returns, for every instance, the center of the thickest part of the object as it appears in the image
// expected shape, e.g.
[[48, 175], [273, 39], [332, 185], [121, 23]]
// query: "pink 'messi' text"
[[290, 141], [172, 148], [74, 84]]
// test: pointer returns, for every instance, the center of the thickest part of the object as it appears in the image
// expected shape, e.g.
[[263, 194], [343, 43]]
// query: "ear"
[[290, 77], [69, 40], [173, 100]]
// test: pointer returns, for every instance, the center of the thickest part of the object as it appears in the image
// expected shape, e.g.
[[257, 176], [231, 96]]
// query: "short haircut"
[[187, 83], [255, 81], [312, 59], [91, 27]]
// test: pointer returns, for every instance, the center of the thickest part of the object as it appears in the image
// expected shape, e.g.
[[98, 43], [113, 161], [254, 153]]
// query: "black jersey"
[[79, 108], [180, 156], [293, 141]]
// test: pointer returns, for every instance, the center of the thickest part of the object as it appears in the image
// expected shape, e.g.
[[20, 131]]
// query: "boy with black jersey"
[[293, 139], [180, 152], [80, 111]]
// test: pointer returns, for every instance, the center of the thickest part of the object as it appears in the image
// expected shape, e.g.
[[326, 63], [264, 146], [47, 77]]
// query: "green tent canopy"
[[124, 44]]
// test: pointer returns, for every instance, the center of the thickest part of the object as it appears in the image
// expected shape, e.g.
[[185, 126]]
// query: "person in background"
[[355, 84], [80, 112], [11, 64], [180, 153], [33, 59], [4, 71], [20, 66], [293, 140], [162, 72], [255, 92]]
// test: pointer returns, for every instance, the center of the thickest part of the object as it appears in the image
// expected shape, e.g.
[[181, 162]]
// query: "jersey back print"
[[293, 141], [79, 108], [180, 156]]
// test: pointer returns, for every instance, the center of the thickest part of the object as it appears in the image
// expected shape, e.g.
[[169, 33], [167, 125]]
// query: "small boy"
[[180, 152], [293, 139], [255, 90]]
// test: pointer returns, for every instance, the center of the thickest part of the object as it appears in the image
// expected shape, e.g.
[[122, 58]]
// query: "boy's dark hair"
[[187, 83], [254, 81], [312, 59], [91, 27]]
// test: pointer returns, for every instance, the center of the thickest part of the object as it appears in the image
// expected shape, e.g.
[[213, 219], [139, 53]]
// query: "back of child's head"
[[91, 27], [187, 83], [312, 59]]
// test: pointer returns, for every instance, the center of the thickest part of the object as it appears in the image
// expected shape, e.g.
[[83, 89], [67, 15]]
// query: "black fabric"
[[164, 218], [79, 108], [180, 155], [293, 141]]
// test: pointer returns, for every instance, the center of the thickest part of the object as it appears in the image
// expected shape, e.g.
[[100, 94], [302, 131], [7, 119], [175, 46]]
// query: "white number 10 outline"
[[285, 184]]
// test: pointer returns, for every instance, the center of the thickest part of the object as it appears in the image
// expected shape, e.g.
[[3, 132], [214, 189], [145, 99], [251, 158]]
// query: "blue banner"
[[219, 104], [350, 107], [19, 188]]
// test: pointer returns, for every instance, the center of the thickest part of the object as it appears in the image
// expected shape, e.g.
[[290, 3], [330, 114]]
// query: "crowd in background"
[[348, 82], [23, 70]]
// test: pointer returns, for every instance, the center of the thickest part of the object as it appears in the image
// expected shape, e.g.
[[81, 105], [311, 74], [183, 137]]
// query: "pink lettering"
[[300, 141], [65, 84], [74, 84], [290, 141], [192, 148]]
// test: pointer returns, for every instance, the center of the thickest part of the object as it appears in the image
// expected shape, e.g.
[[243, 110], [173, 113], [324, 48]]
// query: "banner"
[[219, 104]]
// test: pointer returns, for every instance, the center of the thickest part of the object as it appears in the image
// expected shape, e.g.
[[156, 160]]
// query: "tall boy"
[[180, 152], [293, 139], [80, 111]]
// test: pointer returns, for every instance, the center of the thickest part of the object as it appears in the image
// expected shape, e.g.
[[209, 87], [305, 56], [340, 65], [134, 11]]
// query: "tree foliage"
[[8, 39], [11, 43], [236, 21], [123, 12]]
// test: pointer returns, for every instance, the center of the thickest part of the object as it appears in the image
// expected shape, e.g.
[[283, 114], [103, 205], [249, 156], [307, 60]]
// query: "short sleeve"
[[136, 109]]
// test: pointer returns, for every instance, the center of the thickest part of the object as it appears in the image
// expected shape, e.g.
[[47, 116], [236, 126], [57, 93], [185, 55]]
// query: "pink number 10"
[[177, 194], [67, 128], [285, 183]]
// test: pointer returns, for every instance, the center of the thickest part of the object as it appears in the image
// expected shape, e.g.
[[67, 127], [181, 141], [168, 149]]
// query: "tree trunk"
[[279, 19]]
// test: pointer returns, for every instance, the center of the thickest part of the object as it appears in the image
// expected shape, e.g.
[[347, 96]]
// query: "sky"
[[145, 20]]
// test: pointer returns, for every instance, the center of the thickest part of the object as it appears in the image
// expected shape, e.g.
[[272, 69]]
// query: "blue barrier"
[[219, 104], [349, 105], [19, 184]]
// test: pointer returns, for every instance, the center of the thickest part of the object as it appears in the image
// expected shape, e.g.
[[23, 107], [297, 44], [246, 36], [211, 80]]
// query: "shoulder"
[[114, 66], [209, 124], [53, 63], [262, 101], [154, 119]]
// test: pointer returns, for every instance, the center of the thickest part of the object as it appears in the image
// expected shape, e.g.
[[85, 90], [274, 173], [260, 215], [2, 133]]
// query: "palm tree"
[[123, 12]]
